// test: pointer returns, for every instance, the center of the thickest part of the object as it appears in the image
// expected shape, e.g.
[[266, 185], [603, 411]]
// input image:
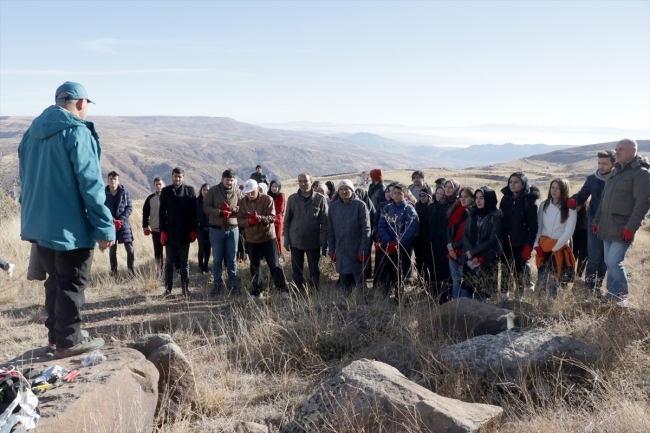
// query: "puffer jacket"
[[121, 208], [398, 223], [625, 200], [519, 216], [349, 234], [177, 216], [593, 187], [484, 241], [216, 197], [264, 230], [62, 190]]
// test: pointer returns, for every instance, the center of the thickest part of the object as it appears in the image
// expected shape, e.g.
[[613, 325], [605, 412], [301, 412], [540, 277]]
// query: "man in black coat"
[[259, 177], [178, 225], [118, 201]]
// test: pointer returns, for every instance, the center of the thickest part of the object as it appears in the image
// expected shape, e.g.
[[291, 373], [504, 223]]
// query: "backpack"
[[18, 404]]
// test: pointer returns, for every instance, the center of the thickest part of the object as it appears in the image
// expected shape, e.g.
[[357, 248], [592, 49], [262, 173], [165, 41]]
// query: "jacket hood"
[[361, 193], [532, 194], [599, 175], [638, 161], [55, 119]]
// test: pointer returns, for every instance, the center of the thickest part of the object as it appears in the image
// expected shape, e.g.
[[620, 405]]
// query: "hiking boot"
[[234, 291], [216, 291], [87, 345], [167, 294], [186, 290]]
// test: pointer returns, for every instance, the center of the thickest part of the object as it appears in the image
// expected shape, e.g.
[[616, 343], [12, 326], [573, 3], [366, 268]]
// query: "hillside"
[[141, 148]]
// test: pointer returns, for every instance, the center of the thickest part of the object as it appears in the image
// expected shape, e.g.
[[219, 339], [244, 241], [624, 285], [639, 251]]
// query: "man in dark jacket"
[[377, 190], [305, 230], [118, 201], [259, 177], [593, 187], [623, 207], [177, 228], [349, 238], [150, 224]]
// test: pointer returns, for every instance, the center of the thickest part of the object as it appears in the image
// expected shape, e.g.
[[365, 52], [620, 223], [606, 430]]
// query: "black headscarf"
[[331, 189], [275, 194], [491, 201]]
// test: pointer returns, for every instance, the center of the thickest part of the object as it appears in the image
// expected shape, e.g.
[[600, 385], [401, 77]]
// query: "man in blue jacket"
[[594, 185], [118, 201], [398, 225], [62, 198]]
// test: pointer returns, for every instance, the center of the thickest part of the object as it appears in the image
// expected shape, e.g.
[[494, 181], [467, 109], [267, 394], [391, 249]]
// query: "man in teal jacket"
[[62, 198]]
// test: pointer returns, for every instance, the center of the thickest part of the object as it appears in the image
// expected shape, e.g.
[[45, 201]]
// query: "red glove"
[[539, 251], [627, 235], [226, 213], [361, 257], [572, 203], [163, 238], [594, 229], [392, 248], [333, 257], [147, 232], [378, 246], [525, 254], [224, 206], [253, 219], [192, 236], [480, 260], [118, 224]]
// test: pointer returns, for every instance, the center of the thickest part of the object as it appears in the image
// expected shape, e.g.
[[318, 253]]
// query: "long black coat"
[[519, 217], [178, 213], [437, 227], [121, 211]]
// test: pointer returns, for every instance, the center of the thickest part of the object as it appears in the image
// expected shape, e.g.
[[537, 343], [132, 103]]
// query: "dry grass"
[[260, 361]]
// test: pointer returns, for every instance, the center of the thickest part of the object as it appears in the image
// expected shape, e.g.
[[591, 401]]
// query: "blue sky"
[[408, 63]]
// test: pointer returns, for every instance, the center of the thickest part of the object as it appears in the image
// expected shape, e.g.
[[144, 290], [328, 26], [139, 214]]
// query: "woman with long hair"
[[438, 219], [279, 202], [518, 232], [482, 246], [440, 193], [457, 215], [556, 264], [203, 232], [421, 244]]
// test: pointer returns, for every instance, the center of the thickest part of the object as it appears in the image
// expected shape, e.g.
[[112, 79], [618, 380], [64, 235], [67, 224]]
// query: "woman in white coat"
[[556, 263]]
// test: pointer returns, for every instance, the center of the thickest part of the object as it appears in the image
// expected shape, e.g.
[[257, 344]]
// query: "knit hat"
[[427, 191], [323, 186], [346, 182], [376, 174]]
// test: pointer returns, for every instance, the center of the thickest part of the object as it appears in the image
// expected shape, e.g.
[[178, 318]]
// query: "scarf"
[[227, 191]]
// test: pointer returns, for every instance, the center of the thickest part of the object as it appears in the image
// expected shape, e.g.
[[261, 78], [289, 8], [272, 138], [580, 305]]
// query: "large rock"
[[464, 318], [512, 355], [147, 344], [372, 396], [176, 387], [118, 395]]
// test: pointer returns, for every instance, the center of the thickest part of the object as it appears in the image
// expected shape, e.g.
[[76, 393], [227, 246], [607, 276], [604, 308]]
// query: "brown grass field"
[[260, 361]]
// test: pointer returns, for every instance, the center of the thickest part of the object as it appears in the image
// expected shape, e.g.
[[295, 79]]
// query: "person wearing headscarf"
[[518, 231], [264, 188], [440, 194], [421, 243], [330, 188], [323, 189], [482, 246], [279, 203], [438, 218]]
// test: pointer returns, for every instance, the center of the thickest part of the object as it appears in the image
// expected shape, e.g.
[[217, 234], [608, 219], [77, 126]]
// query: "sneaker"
[[285, 295], [10, 269], [87, 345], [622, 303]]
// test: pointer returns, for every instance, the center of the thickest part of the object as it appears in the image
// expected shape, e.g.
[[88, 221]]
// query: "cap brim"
[[247, 190]]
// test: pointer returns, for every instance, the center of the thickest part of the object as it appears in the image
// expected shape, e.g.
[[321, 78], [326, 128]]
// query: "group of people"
[[460, 236]]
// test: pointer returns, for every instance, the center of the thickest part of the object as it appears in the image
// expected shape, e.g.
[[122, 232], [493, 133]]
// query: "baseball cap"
[[74, 91], [249, 185]]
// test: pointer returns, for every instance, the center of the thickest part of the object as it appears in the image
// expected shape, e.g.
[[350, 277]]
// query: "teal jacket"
[[62, 190]]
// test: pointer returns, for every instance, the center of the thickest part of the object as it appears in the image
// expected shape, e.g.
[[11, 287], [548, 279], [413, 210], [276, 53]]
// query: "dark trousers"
[[130, 256], [580, 249], [68, 273], [481, 282], [423, 260], [347, 281], [268, 250], [205, 247], [298, 265], [514, 269], [398, 264], [177, 253], [157, 248], [381, 276]]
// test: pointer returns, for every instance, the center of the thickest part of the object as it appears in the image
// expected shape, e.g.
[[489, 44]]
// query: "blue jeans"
[[546, 281], [596, 267], [224, 249], [616, 275], [457, 291]]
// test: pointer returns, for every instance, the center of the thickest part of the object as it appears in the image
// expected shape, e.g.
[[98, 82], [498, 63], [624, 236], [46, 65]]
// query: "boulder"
[[176, 387], [147, 344], [464, 318], [118, 395], [250, 427], [373, 396], [510, 356]]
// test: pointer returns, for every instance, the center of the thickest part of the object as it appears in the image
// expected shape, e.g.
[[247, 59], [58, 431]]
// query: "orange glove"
[[147, 232], [333, 257], [627, 235], [192, 236], [392, 248], [361, 257], [163, 238]]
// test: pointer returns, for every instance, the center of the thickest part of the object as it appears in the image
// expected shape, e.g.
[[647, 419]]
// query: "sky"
[[427, 64]]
